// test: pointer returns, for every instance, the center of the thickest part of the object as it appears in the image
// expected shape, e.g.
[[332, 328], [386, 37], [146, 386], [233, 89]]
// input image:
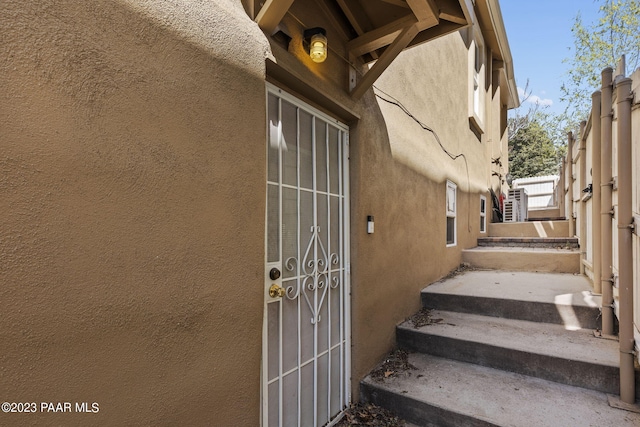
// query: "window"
[[451, 213], [477, 72], [483, 214]]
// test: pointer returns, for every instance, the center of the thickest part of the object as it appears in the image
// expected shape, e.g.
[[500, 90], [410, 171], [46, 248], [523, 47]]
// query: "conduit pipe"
[[595, 197], [582, 152], [625, 254], [562, 194], [572, 228], [606, 203]]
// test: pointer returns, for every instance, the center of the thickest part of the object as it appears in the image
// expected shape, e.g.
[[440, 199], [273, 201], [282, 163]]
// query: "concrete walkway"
[[521, 285]]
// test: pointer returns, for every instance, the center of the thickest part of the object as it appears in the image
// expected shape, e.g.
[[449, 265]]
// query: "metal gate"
[[306, 335]]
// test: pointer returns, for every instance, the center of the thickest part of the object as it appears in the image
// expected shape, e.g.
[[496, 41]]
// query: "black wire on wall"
[[394, 101]]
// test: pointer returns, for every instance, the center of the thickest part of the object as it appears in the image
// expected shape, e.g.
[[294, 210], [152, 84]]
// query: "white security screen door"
[[306, 336]]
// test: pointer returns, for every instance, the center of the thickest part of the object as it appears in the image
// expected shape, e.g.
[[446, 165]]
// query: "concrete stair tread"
[[520, 335], [522, 249], [528, 239], [547, 218], [553, 288], [445, 392], [530, 242], [557, 298]]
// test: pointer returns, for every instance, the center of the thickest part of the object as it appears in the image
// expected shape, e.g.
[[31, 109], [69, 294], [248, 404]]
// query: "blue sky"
[[539, 33]]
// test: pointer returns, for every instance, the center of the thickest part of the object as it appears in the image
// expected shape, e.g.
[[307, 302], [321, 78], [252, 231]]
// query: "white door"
[[306, 335]]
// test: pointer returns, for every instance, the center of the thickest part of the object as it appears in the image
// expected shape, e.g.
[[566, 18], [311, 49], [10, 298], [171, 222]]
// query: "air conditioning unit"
[[511, 210], [520, 194]]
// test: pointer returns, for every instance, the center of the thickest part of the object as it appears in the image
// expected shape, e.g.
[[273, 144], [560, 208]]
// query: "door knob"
[[276, 291]]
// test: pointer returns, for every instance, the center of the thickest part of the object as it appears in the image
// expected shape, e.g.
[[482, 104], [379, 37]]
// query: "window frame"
[[477, 78], [451, 210], [483, 214]]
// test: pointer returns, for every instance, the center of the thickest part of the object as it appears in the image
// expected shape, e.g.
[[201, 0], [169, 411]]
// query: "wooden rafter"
[[424, 9], [445, 27], [397, 35], [385, 35], [380, 37], [422, 22], [272, 13], [355, 15], [330, 13], [451, 14], [357, 18], [400, 3], [398, 45]]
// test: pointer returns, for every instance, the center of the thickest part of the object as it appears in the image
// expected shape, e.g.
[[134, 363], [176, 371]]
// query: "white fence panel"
[[541, 190]]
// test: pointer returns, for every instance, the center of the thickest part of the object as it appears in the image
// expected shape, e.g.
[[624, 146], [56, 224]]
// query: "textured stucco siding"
[[132, 197]]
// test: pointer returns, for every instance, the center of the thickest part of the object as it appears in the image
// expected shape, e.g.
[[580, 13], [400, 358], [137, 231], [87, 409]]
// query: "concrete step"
[[537, 214], [530, 242], [523, 259], [548, 218], [529, 229], [546, 351], [444, 392], [563, 299]]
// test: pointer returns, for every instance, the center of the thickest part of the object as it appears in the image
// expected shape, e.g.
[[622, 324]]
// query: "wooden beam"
[[272, 13], [399, 3], [402, 41], [424, 9], [444, 28], [380, 37], [350, 12], [357, 18], [331, 12], [449, 12]]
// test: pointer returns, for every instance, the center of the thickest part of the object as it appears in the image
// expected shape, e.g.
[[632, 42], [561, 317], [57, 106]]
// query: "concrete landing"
[[443, 392], [520, 285], [523, 259], [563, 299]]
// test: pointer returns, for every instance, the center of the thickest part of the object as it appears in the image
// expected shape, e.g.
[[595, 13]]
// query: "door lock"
[[276, 291], [274, 274]]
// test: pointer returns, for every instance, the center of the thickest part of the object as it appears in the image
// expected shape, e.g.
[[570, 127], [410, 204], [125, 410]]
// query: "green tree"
[[537, 138], [598, 46], [531, 149]]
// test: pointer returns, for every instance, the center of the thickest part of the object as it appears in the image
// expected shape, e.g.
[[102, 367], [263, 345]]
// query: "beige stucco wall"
[[132, 226], [437, 94]]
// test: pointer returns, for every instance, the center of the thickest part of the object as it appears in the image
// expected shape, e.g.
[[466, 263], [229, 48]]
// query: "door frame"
[[346, 223]]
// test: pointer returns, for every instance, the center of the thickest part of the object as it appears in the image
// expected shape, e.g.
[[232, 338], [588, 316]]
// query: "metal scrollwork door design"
[[306, 336]]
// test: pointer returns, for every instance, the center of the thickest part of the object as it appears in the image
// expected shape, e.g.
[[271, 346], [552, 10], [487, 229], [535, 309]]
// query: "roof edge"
[[497, 23]]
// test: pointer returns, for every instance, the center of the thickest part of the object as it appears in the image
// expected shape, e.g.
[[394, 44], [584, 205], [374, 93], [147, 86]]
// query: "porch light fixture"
[[316, 40]]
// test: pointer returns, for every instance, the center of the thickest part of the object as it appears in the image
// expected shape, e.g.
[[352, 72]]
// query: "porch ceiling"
[[378, 30]]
